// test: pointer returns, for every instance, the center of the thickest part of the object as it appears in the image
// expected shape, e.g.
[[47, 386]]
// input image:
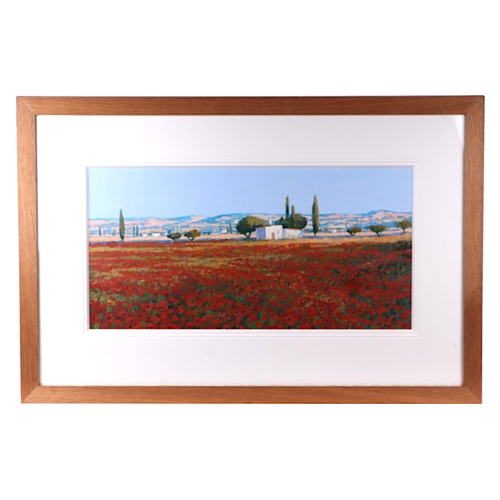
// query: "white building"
[[290, 234], [277, 233], [269, 233]]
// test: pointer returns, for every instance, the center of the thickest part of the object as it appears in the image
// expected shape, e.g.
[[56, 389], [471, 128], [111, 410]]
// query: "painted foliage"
[[163, 263]]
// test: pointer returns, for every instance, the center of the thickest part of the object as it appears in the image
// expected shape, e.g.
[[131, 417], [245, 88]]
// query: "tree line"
[[378, 229], [291, 220]]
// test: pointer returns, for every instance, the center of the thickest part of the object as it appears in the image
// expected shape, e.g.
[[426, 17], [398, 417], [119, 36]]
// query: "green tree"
[[291, 220], [230, 228], [174, 236], [100, 233], [192, 234], [122, 226], [405, 224], [294, 221], [377, 228], [247, 225], [315, 215], [299, 222], [353, 230]]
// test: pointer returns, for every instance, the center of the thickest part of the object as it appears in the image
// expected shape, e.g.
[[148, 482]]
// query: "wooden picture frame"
[[472, 107]]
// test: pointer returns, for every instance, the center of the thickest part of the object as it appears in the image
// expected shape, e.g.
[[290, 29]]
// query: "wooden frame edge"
[[28, 253], [135, 106], [473, 247], [255, 395], [470, 106]]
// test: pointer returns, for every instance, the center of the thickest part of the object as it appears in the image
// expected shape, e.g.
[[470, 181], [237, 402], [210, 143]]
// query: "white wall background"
[[202, 48]]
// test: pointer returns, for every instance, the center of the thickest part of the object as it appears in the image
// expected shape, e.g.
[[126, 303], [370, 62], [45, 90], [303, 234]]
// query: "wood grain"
[[257, 395], [470, 106], [249, 105], [473, 247], [28, 253]]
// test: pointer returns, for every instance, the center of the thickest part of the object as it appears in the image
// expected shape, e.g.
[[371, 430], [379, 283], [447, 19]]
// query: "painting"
[[250, 247]]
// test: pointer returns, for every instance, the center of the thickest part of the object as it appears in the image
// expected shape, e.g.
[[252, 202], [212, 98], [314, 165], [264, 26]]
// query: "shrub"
[[191, 235], [377, 229], [353, 230], [174, 236], [405, 224]]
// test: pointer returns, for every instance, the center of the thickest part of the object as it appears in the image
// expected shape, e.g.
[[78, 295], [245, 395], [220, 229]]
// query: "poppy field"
[[304, 284]]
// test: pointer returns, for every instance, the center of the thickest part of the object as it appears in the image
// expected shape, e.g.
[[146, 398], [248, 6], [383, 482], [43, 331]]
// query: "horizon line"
[[246, 213]]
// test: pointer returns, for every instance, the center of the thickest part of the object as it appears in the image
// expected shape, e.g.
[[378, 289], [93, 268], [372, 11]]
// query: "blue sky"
[[210, 191]]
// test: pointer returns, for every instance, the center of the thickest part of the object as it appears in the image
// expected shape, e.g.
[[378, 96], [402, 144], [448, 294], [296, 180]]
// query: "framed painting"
[[251, 250]]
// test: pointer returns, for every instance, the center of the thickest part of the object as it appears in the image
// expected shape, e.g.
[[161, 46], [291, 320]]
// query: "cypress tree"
[[287, 208], [122, 226], [315, 215]]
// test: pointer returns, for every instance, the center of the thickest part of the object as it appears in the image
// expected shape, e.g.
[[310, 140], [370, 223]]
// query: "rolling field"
[[224, 284]]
